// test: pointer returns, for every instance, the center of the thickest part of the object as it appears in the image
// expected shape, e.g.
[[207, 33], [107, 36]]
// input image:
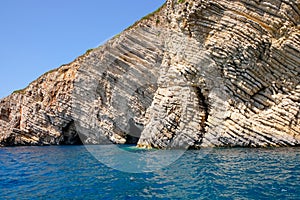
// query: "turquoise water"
[[72, 172]]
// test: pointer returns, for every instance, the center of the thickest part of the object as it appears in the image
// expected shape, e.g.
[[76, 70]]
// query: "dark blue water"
[[71, 172]]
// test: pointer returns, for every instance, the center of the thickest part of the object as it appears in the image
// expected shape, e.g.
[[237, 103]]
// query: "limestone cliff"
[[195, 73]]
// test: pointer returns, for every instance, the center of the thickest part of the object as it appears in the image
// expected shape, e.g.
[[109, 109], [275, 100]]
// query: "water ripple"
[[71, 172]]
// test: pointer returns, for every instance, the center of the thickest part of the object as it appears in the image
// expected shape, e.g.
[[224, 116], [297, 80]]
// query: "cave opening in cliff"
[[70, 135], [134, 132]]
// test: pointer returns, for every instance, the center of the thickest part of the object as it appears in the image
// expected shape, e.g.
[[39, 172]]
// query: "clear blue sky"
[[39, 35]]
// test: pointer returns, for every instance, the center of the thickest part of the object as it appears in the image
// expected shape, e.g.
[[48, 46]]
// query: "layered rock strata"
[[193, 74]]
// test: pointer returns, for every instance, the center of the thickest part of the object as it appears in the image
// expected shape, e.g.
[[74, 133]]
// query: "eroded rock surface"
[[193, 74]]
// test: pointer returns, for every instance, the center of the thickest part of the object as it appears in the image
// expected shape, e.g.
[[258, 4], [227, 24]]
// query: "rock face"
[[196, 73]]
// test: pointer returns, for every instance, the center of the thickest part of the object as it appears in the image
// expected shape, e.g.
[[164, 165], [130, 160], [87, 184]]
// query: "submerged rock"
[[195, 73]]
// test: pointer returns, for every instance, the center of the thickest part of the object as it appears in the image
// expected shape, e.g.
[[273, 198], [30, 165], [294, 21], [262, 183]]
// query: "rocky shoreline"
[[193, 74]]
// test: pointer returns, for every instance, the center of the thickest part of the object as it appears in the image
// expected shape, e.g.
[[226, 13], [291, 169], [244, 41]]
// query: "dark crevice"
[[196, 146], [203, 106], [70, 135], [4, 114], [135, 131], [203, 102], [131, 139], [8, 141]]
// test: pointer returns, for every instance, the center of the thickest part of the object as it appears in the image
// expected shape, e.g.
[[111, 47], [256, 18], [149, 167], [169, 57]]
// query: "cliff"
[[195, 73]]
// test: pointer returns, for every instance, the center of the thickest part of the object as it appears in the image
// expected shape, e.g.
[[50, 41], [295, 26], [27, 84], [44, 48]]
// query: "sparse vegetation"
[[50, 71], [146, 17], [21, 91], [89, 51], [152, 14], [85, 54], [181, 1]]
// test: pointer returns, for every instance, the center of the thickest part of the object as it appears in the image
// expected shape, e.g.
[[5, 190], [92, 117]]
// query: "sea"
[[125, 172]]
